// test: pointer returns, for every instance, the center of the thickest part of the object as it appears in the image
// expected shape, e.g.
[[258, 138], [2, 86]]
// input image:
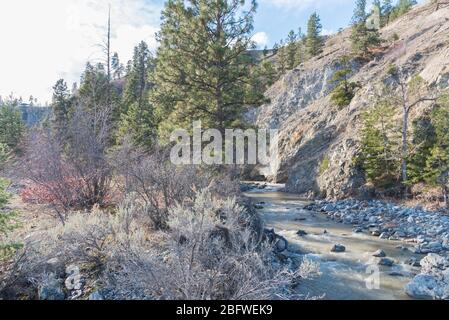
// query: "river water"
[[352, 275]]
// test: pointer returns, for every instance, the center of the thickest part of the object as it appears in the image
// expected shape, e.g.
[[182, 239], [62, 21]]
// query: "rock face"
[[312, 129], [32, 115], [433, 281]]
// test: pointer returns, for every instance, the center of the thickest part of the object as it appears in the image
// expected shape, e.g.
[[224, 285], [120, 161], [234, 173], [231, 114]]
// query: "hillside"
[[313, 129]]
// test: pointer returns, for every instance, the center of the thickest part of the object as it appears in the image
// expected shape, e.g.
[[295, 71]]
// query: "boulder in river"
[[433, 281], [338, 248], [385, 262], [379, 254], [301, 233]]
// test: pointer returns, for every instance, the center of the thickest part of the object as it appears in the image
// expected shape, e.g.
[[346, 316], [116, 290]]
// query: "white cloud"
[[327, 32], [303, 4], [261, 39], [45, 40]]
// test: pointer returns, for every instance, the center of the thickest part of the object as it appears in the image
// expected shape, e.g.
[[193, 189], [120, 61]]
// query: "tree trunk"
[[446, 196], [405, 150]]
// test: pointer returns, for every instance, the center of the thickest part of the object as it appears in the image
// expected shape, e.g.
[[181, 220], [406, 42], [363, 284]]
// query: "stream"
[[344, 275]]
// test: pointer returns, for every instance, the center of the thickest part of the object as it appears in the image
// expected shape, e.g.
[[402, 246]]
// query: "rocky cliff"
[[33, 115], [313, 130]]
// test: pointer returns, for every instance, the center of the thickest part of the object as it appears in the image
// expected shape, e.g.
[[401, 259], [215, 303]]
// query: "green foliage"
[[5, 155], [344, 90], [436, 172], [137, 118], [314, 40], [8, 222], [362, 37], [12, 126], [424, 138], [202, 66], [292, 47], [379, 152], [117, 68], [62, 105]]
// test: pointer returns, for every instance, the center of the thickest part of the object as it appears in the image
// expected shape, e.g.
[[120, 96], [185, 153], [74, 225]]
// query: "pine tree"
[[202, 65], [314, 42], [379, 152], [117, 67], [386, 11], [291, 49], [93, 91], [344, 90], [8, 222], [424, 139], [437, 165], [12, 127], [281, 58], [404, 6], [137, 119], [61, 105], [362, 38], [5, 155], [300, 54]]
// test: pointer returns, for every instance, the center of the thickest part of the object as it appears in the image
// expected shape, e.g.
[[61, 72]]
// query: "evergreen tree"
[[300, 54], [314, 42], [344, 90], [424, 138], [4, 155], [137, 119], [437, 165], [404, 6], [379, 152], [61, 105], [386, 11], [8, 222], [202, 65], [12, 126], [117, 67], [282, 58], [291, 49], [362, 37], [93, 91]]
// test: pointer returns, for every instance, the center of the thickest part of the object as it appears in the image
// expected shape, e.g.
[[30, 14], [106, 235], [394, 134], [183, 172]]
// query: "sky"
[[43, 41]]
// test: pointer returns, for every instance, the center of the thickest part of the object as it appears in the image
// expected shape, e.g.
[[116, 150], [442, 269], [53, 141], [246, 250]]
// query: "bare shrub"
[[71, 173], [213, 249], [209, 252], [160, 185]]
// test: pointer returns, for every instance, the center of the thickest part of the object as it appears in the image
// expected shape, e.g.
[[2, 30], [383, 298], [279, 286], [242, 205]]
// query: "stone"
[[50, 289], [379, 254], [96, 296], [301, 233], [384, 235], [434, 261], [338, 248], [421, 287], [413, 262], [385, 262]]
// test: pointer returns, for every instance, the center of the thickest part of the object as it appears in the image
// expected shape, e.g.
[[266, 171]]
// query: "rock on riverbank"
[[433, 281], [428, 230]]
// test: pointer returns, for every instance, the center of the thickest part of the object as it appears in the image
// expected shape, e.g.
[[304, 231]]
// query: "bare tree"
[[74, 173], [412, 92]]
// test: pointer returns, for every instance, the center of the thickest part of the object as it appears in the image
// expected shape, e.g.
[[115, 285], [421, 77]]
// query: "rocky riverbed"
[[427, 230], [409, 245]]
